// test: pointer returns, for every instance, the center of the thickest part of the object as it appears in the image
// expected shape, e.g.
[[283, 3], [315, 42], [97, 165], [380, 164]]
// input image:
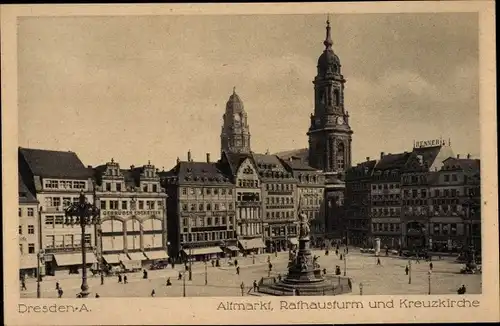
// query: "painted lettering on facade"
[[430, 143], [124, 212]]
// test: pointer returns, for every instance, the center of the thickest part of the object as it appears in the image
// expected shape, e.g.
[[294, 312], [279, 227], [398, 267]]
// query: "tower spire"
[[234, 89], [328, 40]]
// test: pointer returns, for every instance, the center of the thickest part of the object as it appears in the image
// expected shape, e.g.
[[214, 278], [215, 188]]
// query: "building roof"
[[423, 158], [270, 167], [297, 165], [198, 173], [465, 164], [361, 170], [235, 160], [301, 154], [392, 161], [25, 195], [54, 164]]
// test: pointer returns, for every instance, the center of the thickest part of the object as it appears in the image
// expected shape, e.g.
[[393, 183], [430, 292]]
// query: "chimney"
[[468, 156], [208, 157], [382, 154], [458, 155], [189, 156], [367, 158], [132, 167], [89, 166]]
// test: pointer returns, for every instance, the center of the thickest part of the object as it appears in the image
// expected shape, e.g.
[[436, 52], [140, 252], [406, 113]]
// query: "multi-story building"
[[57, 179], [358, 203], [455, 222], [133, 214], [415, 192], [309, 196], [245, 177], [29, 231], [200, 210], [386, 199], [279, 202]]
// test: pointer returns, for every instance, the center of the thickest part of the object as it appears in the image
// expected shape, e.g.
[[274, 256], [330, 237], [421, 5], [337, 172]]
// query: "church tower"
[[235, 135], [329, 132]]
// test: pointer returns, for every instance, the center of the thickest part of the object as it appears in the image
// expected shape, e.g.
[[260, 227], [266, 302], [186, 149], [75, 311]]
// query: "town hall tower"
[[235, 134]]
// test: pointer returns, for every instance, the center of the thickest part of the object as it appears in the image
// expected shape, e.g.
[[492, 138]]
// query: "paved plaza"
[[388, 279]]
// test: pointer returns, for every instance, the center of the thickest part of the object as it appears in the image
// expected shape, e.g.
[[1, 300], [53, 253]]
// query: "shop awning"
[[74, 259], [252, 244], [293, 241], [202, 251], [136, 256], [114, 258], [132, 264], [156, 254], [29, 261], [232, 248]]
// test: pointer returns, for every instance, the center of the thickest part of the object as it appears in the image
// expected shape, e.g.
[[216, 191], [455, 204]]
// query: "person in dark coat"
[[255, 286], [153, 293], [431, 266], [119, 278], [378, 262], [60, 292], [168, 282], [144, 274], [237, 271], [23, 284], [125, 279], [57, 285], [97, 295], [407, 269], [180, 276], [102, 279]]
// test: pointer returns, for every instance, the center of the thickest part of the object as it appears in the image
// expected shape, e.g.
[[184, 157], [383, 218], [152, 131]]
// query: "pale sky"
[[151, 87]]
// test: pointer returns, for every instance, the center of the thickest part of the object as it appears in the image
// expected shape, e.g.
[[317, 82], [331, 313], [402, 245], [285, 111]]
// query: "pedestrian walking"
[[60, 292], [407, 270], [125, 281], [279, 277], [23, 285], [417, 259], [236, 262], [276, 253], [153, 293], [341, 256], [346, 250], [180, 276], [144, 274], [431, 266], [168, 282], [213, 263], [119, 278], [378, 262], [57, 285], [255, 286], [237, 271], [102, 279], [336, 252], [97, 295]]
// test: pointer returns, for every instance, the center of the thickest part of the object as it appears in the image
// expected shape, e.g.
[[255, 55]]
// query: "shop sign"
[[128, 213], [429, 143]]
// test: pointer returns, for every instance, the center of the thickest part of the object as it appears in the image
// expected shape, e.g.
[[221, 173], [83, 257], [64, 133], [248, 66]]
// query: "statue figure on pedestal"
[[304, 229]]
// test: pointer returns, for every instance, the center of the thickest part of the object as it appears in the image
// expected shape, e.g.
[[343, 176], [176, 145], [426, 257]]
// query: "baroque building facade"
[[201, 210], [57, 179], [133, 214]]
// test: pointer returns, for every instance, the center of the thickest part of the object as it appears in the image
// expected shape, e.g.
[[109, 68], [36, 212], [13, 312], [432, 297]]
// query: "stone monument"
[[304, 273]]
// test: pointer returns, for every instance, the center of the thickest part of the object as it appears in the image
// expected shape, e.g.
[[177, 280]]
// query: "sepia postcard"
[[249, 163]]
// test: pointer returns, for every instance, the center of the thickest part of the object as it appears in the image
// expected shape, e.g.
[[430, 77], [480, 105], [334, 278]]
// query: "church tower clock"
[[235, 134], [329, 132]]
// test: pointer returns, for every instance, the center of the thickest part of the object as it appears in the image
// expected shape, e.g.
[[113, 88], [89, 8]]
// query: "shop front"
[[71, 262], [251, 246], [202, 254]]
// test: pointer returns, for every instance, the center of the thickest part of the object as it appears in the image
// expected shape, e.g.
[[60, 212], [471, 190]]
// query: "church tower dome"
[[328, 62], [235, 134]]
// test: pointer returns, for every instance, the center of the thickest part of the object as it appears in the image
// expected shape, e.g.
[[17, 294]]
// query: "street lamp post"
[[206, 276], [190, 263], [184, 284], [345, 264], [409, 271], [360, 288], [429, 279], [85, 214], [38, 275], [253, 258]]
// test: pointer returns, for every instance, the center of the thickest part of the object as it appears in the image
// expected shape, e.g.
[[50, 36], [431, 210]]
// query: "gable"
[[246, 169]]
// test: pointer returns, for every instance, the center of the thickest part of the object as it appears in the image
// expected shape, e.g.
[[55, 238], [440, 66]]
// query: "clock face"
[[340, 120], [236, 117]]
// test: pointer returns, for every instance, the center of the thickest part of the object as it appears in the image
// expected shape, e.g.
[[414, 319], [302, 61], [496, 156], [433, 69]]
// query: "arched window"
[[340, 156], [336, 95]]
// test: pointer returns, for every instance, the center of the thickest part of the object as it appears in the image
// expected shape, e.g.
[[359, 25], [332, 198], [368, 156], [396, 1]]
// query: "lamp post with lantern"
[[40, 260], [84, 214]]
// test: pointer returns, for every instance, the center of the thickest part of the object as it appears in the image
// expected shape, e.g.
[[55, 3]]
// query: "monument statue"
[[304, 229]]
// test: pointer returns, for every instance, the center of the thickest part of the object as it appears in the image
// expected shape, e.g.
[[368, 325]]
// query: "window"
[[216, 221], [59, 220], [193, 207], [150, 204], [454, 177], [216, 191], [50, 241], [184, 191], [209, 221], [79, 184], [108, 186], [31, 211], [191, 191], [113, 204], [184, 207], [200, 207], [103, 204], [223, 221], [31, 229], [223, 191], [155, 188], [56, 201], [209, 191], [49, 220], [124, 204], [141, 204], [118, 187], [87, 240], [21, 248], [216, 207], [20, 212], [446, 178], [230, 191], [145, 188], [20, 229], [31, 248], [230, 206]]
